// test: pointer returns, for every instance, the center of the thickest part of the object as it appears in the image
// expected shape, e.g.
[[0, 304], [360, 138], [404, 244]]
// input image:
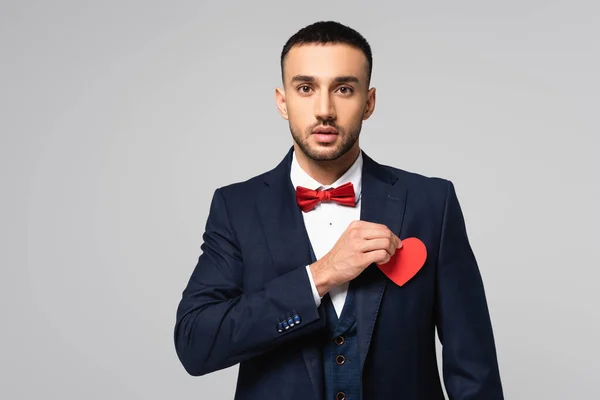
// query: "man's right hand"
[[361, 244]]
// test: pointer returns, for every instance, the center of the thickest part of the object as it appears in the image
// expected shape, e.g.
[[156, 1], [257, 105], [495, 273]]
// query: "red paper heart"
[[406, 261]]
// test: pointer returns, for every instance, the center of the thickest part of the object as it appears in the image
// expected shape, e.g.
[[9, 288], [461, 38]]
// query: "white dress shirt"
[[328, 220]]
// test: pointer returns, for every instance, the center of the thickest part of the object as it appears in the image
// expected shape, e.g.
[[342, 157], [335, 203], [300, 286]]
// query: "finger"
[[378, 244], [376, 232], [395, 240], [375, 256], [392, 249]]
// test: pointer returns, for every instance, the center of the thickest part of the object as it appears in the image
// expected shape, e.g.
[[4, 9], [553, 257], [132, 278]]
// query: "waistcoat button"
[[340, 359], [340, 396], [339, 340]]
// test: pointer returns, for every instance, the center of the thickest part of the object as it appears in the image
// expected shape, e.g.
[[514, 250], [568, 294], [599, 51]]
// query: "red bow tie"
[[308, 199]]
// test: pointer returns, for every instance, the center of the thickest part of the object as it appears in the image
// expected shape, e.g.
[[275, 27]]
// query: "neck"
[[328, 171]]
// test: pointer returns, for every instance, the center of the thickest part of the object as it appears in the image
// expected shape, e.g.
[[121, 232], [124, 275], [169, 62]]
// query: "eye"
[[304, 89], [347, 90]]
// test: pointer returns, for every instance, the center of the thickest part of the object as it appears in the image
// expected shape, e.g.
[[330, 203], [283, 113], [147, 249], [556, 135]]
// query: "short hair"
[[329, 32]]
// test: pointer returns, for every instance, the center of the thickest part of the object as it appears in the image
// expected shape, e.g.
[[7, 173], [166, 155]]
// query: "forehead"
[[325, 61]]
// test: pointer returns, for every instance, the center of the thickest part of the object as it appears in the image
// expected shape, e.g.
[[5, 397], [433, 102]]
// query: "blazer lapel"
[[383, 201], [289, 245], [282, 219]]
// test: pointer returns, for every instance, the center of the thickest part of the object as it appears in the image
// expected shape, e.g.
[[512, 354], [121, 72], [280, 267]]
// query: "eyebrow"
[[338, 79]]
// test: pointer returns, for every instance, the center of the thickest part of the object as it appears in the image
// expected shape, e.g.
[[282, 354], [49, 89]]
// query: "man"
[[289, 283]]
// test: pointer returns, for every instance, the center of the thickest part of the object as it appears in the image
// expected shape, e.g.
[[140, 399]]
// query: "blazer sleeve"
[[218, 324], [470, 366]]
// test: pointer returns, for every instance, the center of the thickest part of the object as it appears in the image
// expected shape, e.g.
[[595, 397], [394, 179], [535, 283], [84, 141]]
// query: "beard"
[[331, 152]]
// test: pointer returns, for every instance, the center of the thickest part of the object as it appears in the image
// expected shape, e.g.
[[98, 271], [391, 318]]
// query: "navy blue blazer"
[[251, 275]]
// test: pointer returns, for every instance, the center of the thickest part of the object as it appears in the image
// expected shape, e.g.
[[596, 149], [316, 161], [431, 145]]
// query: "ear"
[[281, 104], [370, 105]]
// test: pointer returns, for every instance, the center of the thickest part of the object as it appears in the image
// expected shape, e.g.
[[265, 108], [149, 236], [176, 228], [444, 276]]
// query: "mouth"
[[325, 130], [325, 134]]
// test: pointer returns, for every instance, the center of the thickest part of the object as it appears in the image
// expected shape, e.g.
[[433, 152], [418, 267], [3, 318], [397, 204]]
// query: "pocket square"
[[406, 261]]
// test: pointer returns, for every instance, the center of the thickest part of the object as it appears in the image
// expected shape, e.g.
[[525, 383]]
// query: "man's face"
[[325, 98]]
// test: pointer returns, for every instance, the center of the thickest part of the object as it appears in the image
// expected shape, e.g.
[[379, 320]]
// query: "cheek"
[[349, 112], [299, 110]]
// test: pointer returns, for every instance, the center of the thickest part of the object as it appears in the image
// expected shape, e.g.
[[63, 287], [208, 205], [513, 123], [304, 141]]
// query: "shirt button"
[[340, 396], [339, 340], [340, 360]]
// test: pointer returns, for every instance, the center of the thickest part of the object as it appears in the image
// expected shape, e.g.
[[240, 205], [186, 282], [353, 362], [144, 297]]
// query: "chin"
[[325, 152]]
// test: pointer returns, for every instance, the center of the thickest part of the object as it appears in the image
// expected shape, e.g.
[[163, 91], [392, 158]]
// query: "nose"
[[324, 107]]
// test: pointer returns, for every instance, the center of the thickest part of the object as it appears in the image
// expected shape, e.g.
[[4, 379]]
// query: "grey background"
[[119, 119]]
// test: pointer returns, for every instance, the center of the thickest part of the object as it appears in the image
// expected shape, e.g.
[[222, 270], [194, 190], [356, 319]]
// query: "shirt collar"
[[354, 174]]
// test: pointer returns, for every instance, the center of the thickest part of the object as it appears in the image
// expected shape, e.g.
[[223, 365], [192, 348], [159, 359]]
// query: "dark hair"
[[326, 32]]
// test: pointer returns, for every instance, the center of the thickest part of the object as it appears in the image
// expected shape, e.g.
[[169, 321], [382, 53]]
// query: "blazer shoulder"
[[239, 191], [418, 183], [250, 186]]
